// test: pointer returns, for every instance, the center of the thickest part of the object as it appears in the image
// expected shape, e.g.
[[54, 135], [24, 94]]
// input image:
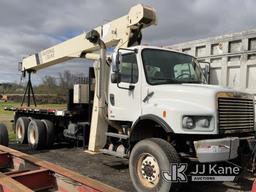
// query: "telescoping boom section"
[[122, 32]]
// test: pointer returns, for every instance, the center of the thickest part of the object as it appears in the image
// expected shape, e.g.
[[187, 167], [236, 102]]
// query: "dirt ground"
[[114, 171], [110, 170]]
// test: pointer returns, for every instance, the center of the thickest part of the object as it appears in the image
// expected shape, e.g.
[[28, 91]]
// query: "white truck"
[[149, 104]]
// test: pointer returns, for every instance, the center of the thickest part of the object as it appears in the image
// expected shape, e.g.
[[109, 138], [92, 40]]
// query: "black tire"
[[163, 154], [36, 134], [49, 132], [30, 118], [4, 137], [21, 128]]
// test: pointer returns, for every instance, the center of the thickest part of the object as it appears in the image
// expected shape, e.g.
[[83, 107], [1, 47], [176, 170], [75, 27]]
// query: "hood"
[[217, 88], [181, 100], [191, 89], [201, 96]]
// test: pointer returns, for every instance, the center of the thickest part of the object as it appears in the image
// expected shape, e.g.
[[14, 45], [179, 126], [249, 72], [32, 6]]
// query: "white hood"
[[182, 100], [196, 95]]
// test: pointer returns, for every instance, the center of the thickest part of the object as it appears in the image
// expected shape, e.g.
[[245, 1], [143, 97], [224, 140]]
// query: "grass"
[[7, 116]]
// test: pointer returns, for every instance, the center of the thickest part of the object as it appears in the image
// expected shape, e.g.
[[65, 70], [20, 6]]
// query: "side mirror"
[[206, 69], [116, 60]]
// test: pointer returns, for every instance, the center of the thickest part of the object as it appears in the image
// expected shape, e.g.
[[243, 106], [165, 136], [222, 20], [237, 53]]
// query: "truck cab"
[[164, 93]]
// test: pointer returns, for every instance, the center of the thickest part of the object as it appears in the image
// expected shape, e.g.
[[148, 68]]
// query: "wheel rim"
[[32, 136], [148, 170], [19, 132]]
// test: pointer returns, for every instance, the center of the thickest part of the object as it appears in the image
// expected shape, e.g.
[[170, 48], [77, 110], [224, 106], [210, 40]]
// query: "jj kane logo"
[[180, 172]]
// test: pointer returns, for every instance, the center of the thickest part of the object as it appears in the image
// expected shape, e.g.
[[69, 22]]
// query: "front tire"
[[148, 159]]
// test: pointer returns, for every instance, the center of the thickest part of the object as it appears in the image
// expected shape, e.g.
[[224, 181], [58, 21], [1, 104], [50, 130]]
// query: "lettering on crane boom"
[[47, 54]]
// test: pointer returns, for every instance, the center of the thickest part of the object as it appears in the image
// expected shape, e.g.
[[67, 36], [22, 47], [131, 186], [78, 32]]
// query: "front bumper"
[[216, 150]]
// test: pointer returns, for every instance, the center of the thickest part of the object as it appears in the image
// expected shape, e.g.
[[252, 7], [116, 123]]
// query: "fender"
[[155, 118]]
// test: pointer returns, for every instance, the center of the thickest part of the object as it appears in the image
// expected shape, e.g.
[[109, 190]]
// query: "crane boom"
[[122, 32]]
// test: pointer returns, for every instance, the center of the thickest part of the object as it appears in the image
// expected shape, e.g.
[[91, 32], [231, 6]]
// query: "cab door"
[[125, 97]]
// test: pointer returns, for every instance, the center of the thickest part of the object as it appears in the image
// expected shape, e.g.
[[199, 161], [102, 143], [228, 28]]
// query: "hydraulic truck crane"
[[150, 104]]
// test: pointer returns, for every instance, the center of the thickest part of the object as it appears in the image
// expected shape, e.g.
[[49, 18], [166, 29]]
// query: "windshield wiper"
[[160, 81], [191, 81], [164, 80]]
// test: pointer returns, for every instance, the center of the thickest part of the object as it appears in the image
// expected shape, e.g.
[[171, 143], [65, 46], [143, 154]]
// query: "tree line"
[[57, 85]]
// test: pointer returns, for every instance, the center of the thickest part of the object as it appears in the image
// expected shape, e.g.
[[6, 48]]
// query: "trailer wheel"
[[49, 132], [4, 137], [148, 159], [36, 134], [21, 128]]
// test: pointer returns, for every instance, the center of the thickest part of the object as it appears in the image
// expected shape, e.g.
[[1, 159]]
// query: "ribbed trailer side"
[[232, 58]]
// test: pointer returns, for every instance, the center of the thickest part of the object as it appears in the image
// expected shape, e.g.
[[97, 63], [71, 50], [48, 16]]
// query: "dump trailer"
[[232, 57], [149, 104]]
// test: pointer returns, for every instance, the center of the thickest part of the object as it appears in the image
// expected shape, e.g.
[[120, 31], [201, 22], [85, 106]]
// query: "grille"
[[236, 115]]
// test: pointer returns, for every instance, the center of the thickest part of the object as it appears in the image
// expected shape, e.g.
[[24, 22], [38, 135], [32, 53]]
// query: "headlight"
[[196, 122], [203, 123], [188, 122]]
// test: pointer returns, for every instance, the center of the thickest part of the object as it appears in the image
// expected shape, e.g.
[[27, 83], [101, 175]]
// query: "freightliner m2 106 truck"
[[149, 104]]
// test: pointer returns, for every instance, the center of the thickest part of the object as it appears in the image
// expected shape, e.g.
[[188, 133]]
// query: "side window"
[[129, 68]]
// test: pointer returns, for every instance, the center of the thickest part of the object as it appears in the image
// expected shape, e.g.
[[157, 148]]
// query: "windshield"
[[165, 67]]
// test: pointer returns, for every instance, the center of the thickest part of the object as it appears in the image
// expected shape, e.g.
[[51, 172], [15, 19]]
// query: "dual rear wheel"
[[21, 129], [38, 134]]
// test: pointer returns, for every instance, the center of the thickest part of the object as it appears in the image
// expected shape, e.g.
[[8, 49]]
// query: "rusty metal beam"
[[14, 172], [36, 180], [10, 185], [84, 181]]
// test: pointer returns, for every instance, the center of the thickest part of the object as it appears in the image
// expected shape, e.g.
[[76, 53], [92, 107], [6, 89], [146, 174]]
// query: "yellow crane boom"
[[122, 32]]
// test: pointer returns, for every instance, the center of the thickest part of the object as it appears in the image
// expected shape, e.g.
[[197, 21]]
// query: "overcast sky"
[[29, 26]]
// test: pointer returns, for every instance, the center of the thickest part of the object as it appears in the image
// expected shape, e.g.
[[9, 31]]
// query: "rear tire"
[[21, 128], [4, 137], [148, 159], [49, 132], [36, 134]]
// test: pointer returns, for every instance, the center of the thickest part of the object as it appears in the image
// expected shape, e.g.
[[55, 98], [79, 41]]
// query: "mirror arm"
[[130, 88]]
